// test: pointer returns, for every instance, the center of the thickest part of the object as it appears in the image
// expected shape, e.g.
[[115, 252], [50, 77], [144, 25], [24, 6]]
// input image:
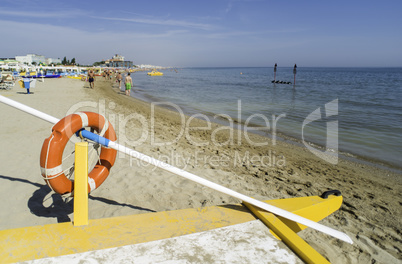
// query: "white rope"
[[70, 171], [68, 155], [47, 155]]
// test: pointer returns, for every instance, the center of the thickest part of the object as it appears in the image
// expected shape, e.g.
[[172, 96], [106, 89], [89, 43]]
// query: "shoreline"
[[370, 213], [280, 135], [383, 156]]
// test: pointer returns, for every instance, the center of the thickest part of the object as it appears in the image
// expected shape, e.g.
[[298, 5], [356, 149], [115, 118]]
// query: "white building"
[[53, 61], [23, 59], [118, 57], [31, 58]]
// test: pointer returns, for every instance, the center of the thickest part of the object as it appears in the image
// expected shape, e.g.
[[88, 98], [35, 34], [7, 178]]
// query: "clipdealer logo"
[[147, 128], [331, 149]]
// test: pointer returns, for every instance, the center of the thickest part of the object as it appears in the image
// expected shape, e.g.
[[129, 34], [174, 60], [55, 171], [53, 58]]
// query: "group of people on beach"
[[128, 81]]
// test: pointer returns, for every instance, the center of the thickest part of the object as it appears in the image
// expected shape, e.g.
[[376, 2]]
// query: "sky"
[[220, 33]]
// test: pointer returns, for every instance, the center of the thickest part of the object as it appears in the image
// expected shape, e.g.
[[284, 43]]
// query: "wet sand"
[[370, 214]]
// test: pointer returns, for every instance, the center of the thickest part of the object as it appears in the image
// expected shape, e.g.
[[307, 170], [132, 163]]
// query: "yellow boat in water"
[[155, 73]]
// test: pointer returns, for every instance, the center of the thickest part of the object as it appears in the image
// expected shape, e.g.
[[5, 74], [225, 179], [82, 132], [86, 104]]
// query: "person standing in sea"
[[129, 82], [91, 79]]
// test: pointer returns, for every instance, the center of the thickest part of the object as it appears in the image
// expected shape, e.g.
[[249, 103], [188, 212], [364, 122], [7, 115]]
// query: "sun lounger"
[[7, 81]]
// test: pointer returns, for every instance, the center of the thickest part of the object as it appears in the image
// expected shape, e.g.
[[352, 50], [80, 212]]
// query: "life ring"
[[53, 148]]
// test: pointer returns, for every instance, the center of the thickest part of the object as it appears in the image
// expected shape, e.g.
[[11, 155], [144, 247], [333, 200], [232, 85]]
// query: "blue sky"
[[207, 33]]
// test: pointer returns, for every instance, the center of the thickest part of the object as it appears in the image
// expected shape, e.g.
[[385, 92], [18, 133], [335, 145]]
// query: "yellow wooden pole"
[[81, 184]]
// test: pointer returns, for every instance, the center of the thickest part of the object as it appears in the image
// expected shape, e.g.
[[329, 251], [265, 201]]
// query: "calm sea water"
[[369, 102]]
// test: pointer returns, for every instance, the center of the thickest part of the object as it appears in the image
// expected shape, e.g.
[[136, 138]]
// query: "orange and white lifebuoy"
[[53, 147]]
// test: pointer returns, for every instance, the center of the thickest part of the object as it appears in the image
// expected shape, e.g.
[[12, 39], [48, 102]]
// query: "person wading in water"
[[129, 82]]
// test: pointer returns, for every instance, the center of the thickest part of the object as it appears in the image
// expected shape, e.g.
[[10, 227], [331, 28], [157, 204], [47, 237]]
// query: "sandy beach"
[[370, 214]]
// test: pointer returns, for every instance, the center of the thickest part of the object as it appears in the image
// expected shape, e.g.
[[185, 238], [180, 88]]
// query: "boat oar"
[[106, 142]]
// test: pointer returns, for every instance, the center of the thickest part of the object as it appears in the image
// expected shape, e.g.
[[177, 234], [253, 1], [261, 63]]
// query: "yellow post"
[[81, 184]]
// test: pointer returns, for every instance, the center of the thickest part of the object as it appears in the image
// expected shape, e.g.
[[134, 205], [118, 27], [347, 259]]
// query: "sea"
[[356, 112]]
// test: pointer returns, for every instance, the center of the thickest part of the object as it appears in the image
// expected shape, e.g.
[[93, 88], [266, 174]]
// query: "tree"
[[64, 61], [73, 61], [98, 63]]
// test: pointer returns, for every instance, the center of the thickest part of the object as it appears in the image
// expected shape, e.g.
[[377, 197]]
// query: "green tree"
[[73, 61], [64, 61], [98, 63]]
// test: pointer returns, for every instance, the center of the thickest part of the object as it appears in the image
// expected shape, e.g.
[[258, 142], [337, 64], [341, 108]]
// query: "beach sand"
[[370, 214]]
